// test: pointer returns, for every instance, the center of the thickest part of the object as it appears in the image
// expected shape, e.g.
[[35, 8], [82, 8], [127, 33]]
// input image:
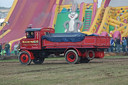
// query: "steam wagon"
[[76, 47]]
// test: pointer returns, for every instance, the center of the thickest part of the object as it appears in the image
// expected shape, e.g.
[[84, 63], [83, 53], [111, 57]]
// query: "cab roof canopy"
[[32, 29]]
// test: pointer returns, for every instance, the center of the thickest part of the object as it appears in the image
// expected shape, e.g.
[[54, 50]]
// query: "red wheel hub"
[[90, 54], [24, 58], [71, 57]]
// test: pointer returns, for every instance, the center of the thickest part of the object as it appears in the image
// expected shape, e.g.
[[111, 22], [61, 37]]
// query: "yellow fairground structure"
[[112, 16], [111, 19]]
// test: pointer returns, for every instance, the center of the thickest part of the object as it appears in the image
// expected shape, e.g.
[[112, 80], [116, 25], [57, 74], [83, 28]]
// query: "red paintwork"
[[93, 42], [37, 38], [79, 53], [30, 54], [71, 56], [26, 58], [99, 54], [88, 42], [90, 54]]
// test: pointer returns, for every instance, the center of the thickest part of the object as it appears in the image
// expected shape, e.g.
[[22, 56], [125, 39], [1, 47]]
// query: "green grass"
[[116, 57], [12, 60], [55, 71]]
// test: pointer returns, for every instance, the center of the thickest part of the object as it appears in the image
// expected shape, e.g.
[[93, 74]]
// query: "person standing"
[[115, 45], [111, 45], [7, 49], [124, 44], [15, 49], [118, 44], [0, 48], [127, 42]]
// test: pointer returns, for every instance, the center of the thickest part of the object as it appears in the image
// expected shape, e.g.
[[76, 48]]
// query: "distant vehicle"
[[1, 21], [77, 47]]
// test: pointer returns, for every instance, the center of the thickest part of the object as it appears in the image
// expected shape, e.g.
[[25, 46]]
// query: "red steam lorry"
[[76, 47]]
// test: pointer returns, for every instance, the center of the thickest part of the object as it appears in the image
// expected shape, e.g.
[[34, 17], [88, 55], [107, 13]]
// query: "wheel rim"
[[71, 57], [24, 58], [90, 54]]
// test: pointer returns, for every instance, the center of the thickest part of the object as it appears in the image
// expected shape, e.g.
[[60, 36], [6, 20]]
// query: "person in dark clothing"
[[118, 44], [115, 44], [124, 44], [15, 49], [0, 48], [127, 42], [7, 49], [30, 34], [111, 45]]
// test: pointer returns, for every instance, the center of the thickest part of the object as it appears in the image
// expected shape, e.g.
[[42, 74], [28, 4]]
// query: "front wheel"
[[72, 57], [24, 58]]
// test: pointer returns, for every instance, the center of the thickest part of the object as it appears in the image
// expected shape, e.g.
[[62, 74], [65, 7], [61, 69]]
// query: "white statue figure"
[[74, 24]]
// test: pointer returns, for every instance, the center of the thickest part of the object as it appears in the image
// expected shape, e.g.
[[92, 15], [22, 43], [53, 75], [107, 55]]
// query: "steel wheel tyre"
[[72, 57], [90, 54], [24, 58], [38, 60]]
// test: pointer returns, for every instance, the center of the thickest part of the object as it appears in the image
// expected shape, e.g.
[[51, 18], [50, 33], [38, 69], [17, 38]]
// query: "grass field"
[[111, 70]]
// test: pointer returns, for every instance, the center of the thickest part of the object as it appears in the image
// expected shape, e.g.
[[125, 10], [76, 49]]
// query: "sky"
[[8, 3]]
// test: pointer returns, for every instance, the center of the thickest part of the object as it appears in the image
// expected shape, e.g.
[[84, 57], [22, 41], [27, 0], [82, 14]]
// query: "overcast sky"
[[8, 3]]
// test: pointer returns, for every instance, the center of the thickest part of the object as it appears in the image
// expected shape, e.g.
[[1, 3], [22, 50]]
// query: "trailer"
[[76, 47]]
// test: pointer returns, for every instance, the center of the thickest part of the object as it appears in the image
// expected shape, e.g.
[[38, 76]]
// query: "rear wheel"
[[90, 54], [84, 60], [24, 58], [72, 57], [38, 60]]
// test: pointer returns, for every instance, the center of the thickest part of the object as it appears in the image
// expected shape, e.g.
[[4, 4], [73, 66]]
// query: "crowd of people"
[[5, 49], [118, 45]]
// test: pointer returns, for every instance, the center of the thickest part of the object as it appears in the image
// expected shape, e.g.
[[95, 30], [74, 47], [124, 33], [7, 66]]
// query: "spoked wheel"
[[24, 58], [72, 57], [84, 60], [38, 60]]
